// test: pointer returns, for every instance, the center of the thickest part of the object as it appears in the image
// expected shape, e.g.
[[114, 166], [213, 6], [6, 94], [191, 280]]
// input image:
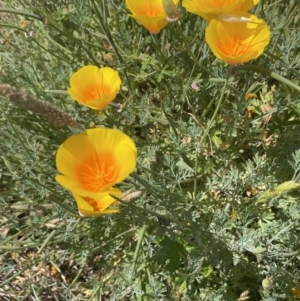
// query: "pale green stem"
[[34, 262], [195, 177], [295, 253], [111, 41], [50, 236], [217, 108], [152, 213], [198, 268], [18, 136], [19, 12], [4, 242], [138, 247], [189, 49], [267, 72]]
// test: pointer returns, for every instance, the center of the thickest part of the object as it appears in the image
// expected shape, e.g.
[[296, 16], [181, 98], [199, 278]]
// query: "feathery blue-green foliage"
[[219, 210]]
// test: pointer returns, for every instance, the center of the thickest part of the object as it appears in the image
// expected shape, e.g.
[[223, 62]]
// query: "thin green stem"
[[50, 236], [267, 72], [158, 174], [54, 200], [154, 190], [217, 108], [156, 44], [34, 262], [138, 247], [20, 13], [111, 41], [189, 49], [295, 253], [195, 177], [77, 275], [18, 136], [198, 268], [152, 213], [4, 242]]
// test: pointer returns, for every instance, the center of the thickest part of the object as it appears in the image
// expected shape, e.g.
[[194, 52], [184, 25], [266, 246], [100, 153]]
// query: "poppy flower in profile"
[[237, 42], [94, 207], [94, 87], [150, 13], [209, 9], [92, 162]]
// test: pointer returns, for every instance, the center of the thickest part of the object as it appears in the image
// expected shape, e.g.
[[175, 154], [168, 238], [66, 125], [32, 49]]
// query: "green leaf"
[[171, 254]]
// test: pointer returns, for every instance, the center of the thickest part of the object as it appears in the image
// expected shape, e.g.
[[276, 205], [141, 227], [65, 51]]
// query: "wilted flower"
[[196, 86], [237, 42], [150, 13], [209, 9], [94, 87], [92, 162]]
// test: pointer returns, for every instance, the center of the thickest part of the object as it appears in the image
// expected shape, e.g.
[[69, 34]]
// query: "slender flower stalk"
[[38, 106], [210, 123], [188, 48]]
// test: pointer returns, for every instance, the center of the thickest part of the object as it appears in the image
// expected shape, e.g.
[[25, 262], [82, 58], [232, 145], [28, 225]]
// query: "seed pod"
[[267, 283], [171, 10], [38, 106]]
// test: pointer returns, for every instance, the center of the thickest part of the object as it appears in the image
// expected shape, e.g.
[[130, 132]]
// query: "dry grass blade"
[[244, 296], [130, 194]]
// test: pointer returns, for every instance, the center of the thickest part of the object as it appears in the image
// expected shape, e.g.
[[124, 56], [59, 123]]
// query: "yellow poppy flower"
[[209, 9], [150, 13], [237, 42], [94, 87], [92, 162], [247, 5], [92, 207]]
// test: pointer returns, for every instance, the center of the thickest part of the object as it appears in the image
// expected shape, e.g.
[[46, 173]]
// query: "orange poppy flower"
[[94, 207], [238, 41], [92, 162], [150, 13], [209, 9], [94, 87]]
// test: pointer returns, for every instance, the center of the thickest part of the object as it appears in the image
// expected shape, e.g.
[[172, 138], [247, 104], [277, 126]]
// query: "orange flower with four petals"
[[209, 9], [90, 164], [94, 87], [150, 13], [237, 42]]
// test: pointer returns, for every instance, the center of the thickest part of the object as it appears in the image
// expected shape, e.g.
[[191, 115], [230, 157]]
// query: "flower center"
[[94, 92], [96, 174], [233, 47]]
